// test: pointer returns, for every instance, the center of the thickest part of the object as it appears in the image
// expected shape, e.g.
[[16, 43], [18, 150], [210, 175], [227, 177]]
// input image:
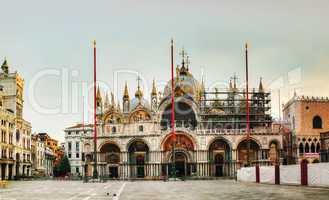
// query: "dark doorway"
[[140, 166], [113, 172], [180, 169], [138, 156], [219, 161], [10, 175], [3, 171], [180, 164]]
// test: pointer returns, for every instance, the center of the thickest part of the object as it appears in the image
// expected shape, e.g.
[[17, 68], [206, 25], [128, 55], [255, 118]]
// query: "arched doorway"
[[219, 164], [184, 116], [110, 153], [138, 157], [180, 164], [184, 147], [243, 149], [219, 153]]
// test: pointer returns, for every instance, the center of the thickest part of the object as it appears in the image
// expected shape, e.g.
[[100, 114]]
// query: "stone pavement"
[[157, 190]]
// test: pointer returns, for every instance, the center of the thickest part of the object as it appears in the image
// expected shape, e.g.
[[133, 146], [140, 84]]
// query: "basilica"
[[134, 139]]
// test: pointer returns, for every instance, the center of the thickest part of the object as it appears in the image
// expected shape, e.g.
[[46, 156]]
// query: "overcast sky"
[[289, 46]]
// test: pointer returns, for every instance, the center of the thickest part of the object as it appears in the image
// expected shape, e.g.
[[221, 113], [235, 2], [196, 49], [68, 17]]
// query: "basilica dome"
[[185, 84], [139, 100], [135, 102]]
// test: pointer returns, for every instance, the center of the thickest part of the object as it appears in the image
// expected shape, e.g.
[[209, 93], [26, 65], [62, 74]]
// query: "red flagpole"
[[95, 174], [95, 130], [83, 112], [247, 105], [173, 111], [172, 92]]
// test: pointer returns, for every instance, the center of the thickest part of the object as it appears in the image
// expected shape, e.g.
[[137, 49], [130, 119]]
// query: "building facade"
[[135, 140], [51, 152], [74, 137], [308, 117], [15, 159], [38, 156]]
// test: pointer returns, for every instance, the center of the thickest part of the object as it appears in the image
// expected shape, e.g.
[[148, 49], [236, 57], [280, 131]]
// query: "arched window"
[[307, 148], [301, 148], [317, 122], [318, 148], [312, 148], [114, 129]]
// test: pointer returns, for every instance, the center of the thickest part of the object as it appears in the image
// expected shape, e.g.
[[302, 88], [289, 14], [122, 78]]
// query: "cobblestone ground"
[[156, 190]]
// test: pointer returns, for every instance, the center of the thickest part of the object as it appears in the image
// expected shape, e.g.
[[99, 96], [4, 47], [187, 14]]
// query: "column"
[[0, 171], [234, 156]]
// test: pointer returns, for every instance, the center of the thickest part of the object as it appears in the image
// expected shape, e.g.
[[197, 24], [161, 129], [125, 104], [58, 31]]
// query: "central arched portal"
[[138, 157], [181, 155], [181, 162]]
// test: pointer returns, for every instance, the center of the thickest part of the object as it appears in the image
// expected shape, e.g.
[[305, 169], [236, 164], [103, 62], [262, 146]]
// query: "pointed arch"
[[301, 148], [307, 148], [312, 147], [139, 114]]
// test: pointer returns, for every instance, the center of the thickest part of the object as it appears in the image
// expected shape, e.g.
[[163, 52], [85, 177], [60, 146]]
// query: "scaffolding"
[[226, 108]]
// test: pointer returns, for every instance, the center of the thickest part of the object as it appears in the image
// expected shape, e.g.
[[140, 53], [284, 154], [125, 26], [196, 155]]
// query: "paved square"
[[156, 190]]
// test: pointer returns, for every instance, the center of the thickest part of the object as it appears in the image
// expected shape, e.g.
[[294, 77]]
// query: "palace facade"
[[308, 118], [135, 140], [15, 143]]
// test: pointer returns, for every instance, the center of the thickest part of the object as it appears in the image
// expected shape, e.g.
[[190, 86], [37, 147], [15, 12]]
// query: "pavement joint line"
[[121, 189]]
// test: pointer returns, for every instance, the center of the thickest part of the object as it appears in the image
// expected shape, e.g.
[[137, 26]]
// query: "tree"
[[63, 168]]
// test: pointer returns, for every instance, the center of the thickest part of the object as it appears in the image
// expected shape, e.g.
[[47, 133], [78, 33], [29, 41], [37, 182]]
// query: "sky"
[[50, 44]]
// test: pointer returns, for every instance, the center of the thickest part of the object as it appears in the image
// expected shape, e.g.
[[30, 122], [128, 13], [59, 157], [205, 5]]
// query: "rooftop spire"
[[187, 62], [112, 100], [139, 93], [261, 87], [230, 85], [202, 85], [126, 93], [235, 78], [183, 54], [107, 102], [98, 95], [154, 90]]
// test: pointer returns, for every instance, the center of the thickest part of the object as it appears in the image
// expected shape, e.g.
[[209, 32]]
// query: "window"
[[83, 157], [77, 155], [141, 128], [307, 148], [69, 155], [114, 129], [317, 122], [77, 170], [69, 144], [77, 146], [312, 148]]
